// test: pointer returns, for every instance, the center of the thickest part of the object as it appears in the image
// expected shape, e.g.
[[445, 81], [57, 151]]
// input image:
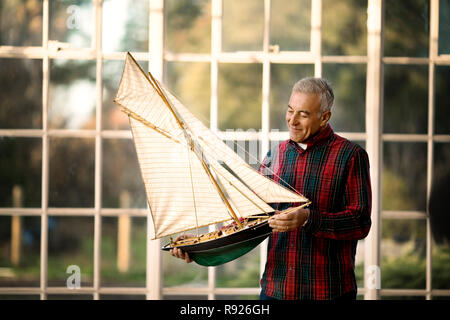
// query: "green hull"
[[221, 255], [227, 248]]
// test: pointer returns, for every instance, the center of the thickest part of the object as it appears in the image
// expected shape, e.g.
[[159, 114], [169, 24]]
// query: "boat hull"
[[226, 248]]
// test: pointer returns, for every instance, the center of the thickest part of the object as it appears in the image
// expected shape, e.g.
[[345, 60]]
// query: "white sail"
[[140, 100], [214, 148], [180, 194], [191, 177]]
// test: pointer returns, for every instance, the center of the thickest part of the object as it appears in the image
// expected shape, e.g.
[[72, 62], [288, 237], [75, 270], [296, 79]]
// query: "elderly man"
[[311, 252]]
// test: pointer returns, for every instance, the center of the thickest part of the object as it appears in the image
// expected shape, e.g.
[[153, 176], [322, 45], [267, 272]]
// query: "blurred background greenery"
[[72, 105]]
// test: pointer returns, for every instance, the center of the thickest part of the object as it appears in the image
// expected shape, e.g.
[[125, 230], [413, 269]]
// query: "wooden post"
[[123, 237], [374, 125], [156, 64], [16, 227]]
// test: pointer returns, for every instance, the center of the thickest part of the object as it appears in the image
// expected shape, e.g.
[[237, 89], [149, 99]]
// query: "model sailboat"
[[192, 178]]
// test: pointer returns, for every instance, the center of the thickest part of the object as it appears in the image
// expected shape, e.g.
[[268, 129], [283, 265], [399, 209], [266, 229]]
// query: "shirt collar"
[[302, 145]]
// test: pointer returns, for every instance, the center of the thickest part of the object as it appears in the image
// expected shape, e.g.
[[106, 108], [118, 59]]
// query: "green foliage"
[[243, 23], [240, 96], [188, 25], [344, 27]]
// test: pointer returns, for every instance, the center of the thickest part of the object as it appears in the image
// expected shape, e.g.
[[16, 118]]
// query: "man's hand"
[[178, 253], [283, 222]]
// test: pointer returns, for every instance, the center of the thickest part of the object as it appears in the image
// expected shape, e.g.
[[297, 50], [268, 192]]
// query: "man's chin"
[[297, 139]]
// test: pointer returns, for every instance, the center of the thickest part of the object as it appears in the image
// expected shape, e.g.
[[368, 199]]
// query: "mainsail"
[[191, 177]]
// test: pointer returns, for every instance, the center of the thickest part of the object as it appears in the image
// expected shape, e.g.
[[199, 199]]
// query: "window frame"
[[157, 56]]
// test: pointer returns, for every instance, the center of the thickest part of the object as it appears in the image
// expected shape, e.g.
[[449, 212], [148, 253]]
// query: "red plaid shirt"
[[317, 261]]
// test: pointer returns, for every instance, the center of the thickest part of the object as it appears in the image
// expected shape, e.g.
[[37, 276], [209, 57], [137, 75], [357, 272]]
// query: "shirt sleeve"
[[353, 223]]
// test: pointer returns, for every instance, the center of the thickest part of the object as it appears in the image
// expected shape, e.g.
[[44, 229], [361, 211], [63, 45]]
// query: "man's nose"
[[293, 119]]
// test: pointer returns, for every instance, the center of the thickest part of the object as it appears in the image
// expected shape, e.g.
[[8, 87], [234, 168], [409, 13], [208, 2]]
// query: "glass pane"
[[403, 254], [361, 143], [249, 150], [243, 25], [20, 23], [19, 297], [237, 297], [20, 172], [20, 242], [285, 15], [122, 181], [406, 28], [188, 25], [185, 297], [113, 117], [404, 176], [176, 272], [442, 113], [402, 297], [439, 206], [349, 86], [72, 94], [240, 273], [344, 27], [71, 176], [70, 244], [444, 27], [359, 264], [21, 94], [125, 25], [123, 251], [190, 83], [440, 272], [282, 79], [240, 96], [405, 99], [72, 21], [122, 297], [70, 297]]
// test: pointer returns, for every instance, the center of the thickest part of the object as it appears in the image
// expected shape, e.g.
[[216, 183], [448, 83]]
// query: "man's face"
[[303, 116]]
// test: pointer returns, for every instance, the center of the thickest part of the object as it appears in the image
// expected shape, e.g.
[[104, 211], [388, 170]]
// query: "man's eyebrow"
[[301, 111]]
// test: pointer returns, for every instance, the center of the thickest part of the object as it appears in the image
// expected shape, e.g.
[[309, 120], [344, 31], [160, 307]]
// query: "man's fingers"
[[178, 253], [279, 226]]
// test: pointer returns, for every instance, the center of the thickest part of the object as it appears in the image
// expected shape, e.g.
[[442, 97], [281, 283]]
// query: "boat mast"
[[156, 86]]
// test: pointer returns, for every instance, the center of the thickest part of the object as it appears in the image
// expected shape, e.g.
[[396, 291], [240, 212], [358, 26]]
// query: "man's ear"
[[325, 118]]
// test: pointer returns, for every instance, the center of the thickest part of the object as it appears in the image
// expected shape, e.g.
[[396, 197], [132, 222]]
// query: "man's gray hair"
[[318, 86]]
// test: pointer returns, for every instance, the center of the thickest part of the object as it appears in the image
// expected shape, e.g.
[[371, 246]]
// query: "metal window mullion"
[[216, 48], [98, 149], [433, 53], [374, 108], [45, 154], [156, 67], [316, 36], [265, 113]]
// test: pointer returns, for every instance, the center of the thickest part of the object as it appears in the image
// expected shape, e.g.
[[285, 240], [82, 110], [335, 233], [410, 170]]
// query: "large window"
[[71, 196]]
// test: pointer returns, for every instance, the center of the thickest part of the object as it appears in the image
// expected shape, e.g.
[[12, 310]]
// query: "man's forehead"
[[304, 101]]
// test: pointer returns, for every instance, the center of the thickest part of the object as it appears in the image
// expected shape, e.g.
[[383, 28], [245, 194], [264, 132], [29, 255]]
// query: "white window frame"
[[373, 136]]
